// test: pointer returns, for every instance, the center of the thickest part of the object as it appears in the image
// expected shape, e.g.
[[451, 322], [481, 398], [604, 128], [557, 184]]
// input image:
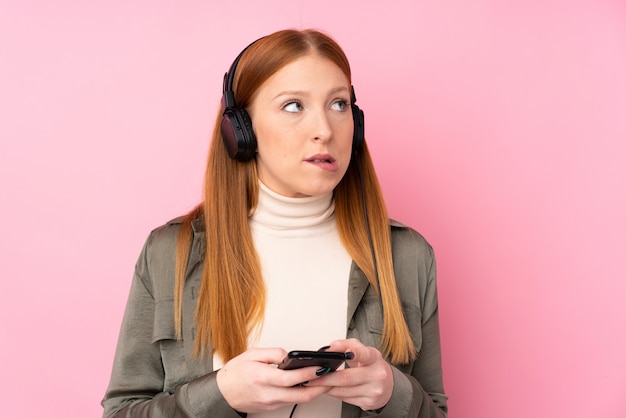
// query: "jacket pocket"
[[412, 316], [163, 327], [172, 350], [373, 312]]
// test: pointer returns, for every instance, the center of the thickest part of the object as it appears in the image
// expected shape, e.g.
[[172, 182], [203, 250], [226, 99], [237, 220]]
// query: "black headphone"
[[236, 125]]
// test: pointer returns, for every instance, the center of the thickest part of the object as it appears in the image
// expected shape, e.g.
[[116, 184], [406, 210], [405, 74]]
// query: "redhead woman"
[[291, 249]]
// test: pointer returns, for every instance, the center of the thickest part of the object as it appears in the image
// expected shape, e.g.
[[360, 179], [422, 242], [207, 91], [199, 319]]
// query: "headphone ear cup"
[[359, 128], [238, 135]]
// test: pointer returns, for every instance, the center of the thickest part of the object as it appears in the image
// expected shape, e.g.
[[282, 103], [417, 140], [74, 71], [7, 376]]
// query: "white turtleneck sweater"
[[306, 270]]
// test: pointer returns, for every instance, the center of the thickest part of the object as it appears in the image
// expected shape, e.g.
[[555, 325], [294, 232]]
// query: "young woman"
[[291, 249]]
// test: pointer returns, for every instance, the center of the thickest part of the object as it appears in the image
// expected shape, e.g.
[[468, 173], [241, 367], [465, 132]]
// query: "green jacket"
[[154, 375]]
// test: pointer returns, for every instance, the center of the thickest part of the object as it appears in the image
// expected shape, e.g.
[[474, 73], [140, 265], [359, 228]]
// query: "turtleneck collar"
[[281, 213]]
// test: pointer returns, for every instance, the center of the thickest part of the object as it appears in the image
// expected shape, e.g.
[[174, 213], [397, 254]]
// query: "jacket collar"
[[357, 285], [358, 282], [198, 225]]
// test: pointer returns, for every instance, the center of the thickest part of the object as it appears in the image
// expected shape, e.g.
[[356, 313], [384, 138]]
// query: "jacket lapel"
[[356, 290]]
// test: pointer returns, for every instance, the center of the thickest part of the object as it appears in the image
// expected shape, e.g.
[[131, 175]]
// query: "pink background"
[[498, 129]]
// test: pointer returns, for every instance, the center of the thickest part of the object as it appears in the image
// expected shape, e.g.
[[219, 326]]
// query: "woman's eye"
[[293, 107], [340, 105]]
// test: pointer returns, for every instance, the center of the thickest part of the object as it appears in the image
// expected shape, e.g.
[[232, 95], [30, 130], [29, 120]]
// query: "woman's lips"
[[324, 161]]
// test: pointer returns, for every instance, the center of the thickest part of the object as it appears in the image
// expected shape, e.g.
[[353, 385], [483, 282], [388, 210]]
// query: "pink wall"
[[498, 129]]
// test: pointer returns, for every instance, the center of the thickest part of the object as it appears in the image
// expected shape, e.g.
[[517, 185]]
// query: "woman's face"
[[303, 123]]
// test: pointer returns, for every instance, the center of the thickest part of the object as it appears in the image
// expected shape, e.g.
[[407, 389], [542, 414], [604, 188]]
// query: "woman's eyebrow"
[[307, 93]]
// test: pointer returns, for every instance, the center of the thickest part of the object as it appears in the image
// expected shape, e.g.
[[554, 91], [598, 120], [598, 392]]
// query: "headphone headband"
[[228, 98]]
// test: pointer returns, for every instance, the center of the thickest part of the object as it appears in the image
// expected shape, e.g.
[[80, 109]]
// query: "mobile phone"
[[298, 359]]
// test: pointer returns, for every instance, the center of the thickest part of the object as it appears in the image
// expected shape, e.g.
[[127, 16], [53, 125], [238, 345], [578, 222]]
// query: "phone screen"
[[299, 359]]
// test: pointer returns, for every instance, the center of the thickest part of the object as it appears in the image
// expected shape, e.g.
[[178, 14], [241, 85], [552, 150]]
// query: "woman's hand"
[[367, 383], [251, 382]]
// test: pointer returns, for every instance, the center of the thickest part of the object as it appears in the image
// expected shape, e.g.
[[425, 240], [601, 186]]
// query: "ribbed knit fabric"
[[306, 269]]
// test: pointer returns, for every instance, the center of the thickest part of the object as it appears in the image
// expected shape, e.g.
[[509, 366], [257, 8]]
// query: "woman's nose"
[[322, 130]]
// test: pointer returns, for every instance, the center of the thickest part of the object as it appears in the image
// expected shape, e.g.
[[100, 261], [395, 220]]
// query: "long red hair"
[[231, 300]]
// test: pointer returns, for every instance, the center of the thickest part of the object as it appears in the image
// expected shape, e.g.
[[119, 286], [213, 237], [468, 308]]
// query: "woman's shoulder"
[[414, 265], [405, 238], [160, 247], [156, 264], [167, 233]]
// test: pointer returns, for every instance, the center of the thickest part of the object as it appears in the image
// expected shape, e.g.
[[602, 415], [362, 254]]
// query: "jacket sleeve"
[[136, 388], [420, 393]]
